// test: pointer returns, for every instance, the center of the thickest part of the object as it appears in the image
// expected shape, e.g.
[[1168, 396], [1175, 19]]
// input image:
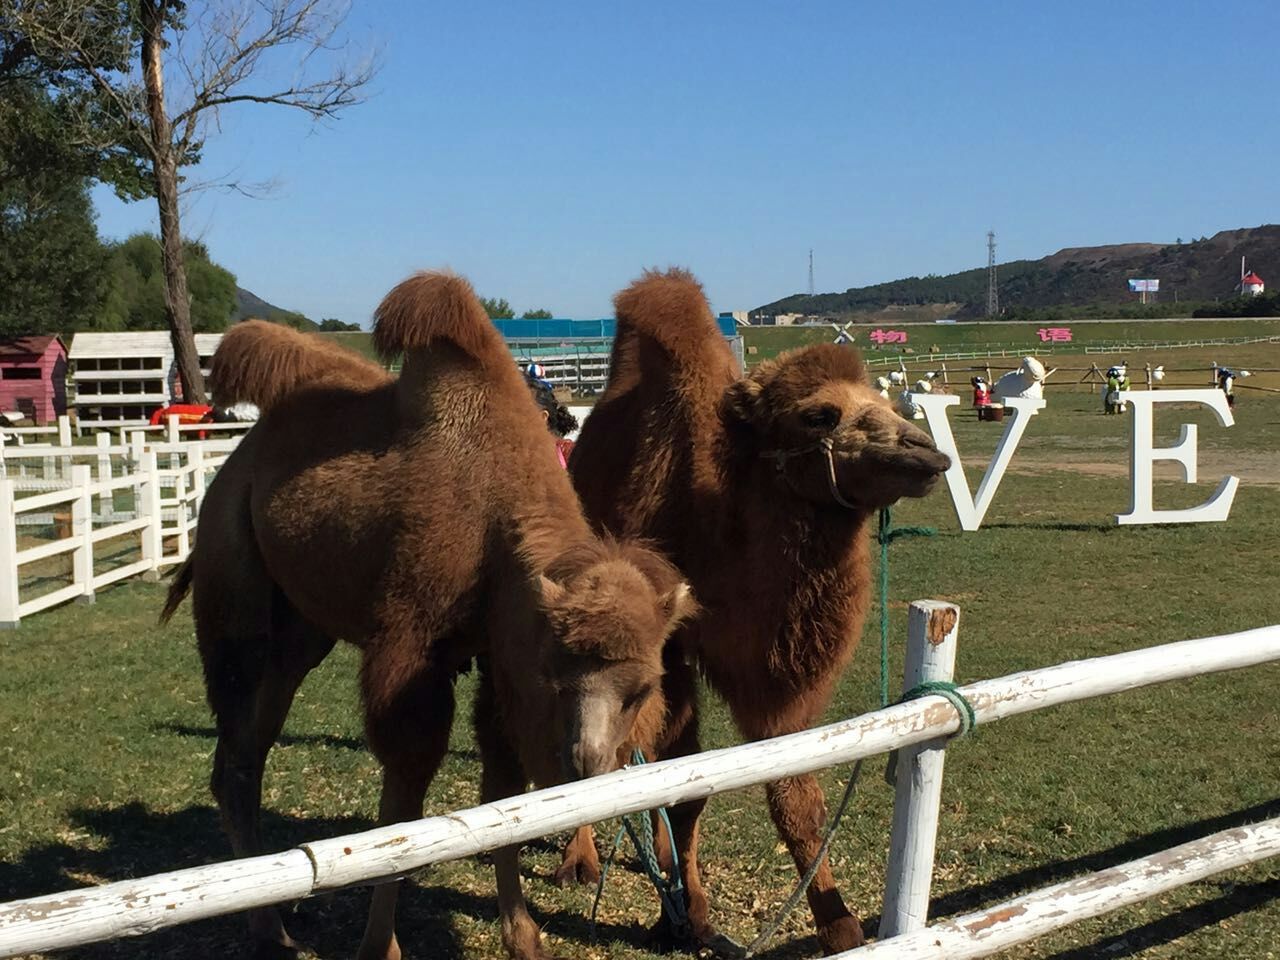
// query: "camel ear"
[[550, 591], [741, 401], [679, 605]]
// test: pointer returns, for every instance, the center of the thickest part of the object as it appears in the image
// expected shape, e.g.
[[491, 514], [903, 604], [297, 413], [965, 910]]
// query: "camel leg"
[[503, 777], [799, 813], [581, 860], [252, 681], [680, 738], [408, 715]]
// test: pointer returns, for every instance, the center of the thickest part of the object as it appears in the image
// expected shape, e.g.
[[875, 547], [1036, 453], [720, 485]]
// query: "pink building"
[[33, 377]]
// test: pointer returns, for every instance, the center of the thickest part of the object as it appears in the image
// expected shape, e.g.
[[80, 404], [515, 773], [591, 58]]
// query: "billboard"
[[1144, 286]]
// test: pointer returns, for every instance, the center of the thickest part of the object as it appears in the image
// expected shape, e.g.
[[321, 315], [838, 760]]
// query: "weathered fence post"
[[82, 530], [931, 655], [8, 557], [148, 505]]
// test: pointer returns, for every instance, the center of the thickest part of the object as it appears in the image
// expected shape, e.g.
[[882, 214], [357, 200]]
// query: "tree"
[[536, 315], [52, 266], [135, 299], [215, 52], [334, 325], [66, 123], [498, 309]]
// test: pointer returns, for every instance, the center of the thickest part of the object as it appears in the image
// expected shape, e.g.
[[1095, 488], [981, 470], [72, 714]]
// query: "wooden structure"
[[120, 379], [33, 377]]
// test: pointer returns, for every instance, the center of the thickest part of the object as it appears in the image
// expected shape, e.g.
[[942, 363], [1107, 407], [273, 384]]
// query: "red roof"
[[1251, 278], [20, 347]]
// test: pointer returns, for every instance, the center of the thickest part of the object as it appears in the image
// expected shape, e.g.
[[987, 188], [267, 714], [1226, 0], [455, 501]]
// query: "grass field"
[[769, 341], [107, 741]]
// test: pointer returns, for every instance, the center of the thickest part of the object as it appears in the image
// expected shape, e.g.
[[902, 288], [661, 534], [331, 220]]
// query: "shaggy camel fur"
[[424, 520], [760, 489], [262, 363]]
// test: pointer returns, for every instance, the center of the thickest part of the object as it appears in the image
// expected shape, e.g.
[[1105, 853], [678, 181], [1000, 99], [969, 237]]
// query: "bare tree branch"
[[233, 42]]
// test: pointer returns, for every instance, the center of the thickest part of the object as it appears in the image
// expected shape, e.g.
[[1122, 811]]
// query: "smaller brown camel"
[[759, 488], [618, 671], [427, 521]]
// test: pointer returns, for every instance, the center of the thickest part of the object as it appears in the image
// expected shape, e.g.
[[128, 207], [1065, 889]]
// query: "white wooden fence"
[[134, 907], [95, 498]]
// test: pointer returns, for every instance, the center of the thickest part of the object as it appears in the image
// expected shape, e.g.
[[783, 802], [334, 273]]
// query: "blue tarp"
[[577, 329]]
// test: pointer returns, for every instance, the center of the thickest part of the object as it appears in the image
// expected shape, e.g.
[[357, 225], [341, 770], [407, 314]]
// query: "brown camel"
[[425, 520], [760, 489]]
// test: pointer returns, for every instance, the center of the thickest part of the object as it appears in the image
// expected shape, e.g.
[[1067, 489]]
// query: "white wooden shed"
[[119, 379]]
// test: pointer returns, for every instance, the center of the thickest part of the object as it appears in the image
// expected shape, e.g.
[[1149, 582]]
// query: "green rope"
[[950, 692], [886, 535]]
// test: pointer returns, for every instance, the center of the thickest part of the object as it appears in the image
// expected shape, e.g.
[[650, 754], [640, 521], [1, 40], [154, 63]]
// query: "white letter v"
[[971, 510]]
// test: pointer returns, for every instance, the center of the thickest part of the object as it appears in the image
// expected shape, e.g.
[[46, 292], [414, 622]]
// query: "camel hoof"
[[840, 935], [576, 870], [703, 938]]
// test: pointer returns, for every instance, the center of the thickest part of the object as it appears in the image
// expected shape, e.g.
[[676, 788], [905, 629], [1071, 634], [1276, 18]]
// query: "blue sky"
[[550, 151]]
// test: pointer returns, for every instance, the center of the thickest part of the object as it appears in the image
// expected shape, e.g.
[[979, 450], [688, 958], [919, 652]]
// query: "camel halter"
[[782, 457]]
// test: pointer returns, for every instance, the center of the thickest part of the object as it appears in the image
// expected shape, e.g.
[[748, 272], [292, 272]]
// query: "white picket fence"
[[144, 483], [135, 907]]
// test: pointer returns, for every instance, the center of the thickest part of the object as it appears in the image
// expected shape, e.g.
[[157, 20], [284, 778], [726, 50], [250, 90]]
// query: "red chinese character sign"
[[888, 336], [1054, 334]]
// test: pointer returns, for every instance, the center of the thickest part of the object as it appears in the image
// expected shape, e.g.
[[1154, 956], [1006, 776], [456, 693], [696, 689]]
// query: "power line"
[[993, 291]]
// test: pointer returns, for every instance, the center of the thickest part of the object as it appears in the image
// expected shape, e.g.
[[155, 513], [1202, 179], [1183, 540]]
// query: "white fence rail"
[[134, 907], [72, 491]]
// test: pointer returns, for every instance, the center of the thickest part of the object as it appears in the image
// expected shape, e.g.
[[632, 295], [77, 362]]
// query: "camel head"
[[609, 608], [829, 436]]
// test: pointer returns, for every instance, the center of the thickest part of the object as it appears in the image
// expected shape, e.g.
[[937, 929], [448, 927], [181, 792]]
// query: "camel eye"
[[826, 417], [636, 698]]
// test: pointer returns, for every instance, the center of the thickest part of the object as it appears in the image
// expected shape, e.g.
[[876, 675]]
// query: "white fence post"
[[196, 456], [8, 557], [183, 492], [64, 431], [175, 434], [106, 499], [931, 655], [82, 530], [148, 505]]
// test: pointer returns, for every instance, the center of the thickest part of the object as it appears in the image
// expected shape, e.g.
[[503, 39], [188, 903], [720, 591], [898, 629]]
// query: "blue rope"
[[670, 890]]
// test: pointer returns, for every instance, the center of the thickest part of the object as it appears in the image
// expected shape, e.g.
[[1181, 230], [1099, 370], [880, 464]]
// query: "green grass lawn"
[[107, 741]]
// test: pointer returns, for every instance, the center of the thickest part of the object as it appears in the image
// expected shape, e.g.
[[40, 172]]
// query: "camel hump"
[[670, 307], [262, 363], [435, 306]]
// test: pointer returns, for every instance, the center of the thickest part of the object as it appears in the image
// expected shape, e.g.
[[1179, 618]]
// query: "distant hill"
[[250, 306], [1202, 270]]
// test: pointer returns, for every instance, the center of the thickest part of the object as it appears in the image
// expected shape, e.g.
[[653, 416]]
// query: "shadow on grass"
[[1099, 527], [293, 739], [105, 845], [1237, 899], [285, 739], [1191, 918]]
